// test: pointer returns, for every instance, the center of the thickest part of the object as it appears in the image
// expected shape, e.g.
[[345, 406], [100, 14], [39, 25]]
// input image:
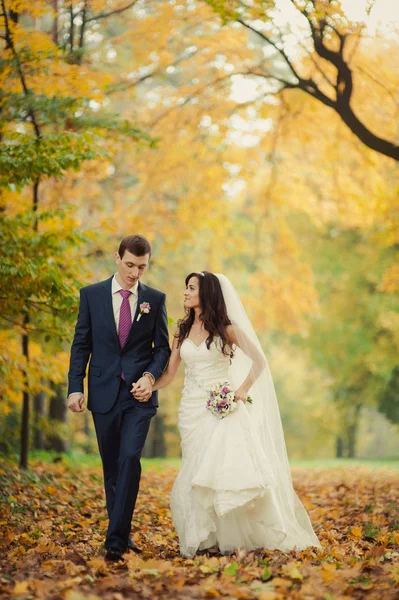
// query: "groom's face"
[[130, 268]]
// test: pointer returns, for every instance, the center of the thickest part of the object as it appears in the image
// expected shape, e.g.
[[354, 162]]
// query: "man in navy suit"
[[122, 328]]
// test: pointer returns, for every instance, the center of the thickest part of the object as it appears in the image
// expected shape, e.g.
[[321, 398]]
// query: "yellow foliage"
[[35, 9], [220, 190], [390, 282], [41, 368]]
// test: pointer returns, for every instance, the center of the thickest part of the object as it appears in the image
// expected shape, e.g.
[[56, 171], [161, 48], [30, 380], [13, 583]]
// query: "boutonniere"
[[145, 308]]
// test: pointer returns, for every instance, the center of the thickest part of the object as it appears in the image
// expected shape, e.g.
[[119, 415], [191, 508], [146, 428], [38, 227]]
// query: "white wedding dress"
[[227, 493]]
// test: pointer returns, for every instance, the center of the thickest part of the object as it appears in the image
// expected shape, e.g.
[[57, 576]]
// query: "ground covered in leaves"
[[52, 525]]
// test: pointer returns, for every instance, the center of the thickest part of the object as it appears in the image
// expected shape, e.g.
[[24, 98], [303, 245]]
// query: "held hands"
[[76, 402], [142, 389]]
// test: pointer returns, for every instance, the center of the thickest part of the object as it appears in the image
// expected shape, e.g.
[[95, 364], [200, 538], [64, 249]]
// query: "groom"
[[122, 328]]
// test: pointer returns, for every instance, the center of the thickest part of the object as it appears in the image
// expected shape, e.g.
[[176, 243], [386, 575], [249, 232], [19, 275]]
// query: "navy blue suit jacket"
[[146, 348]]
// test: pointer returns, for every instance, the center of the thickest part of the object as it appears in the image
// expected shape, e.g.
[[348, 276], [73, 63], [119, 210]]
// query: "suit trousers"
[[121, 434]]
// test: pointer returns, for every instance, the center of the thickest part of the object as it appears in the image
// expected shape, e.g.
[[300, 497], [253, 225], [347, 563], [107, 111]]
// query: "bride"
[[234, 489]]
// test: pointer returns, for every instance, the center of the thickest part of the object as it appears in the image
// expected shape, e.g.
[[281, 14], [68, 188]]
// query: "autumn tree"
[[47, 128], [323, 63]]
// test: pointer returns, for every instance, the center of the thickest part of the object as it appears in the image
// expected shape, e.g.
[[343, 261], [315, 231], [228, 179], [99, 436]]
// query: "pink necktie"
[[125, 319]]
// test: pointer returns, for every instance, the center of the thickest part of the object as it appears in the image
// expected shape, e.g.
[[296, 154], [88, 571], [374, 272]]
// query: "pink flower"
[[145, 308]]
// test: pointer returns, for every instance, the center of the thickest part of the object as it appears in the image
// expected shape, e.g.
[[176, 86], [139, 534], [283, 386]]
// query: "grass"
[[333, 463], [80, 460]]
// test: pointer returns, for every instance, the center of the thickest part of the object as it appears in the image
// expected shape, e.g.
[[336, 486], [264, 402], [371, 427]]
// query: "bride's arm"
[[240, 339], [170, 371]]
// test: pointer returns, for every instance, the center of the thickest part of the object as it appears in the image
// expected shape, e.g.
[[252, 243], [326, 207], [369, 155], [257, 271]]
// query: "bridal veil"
[[265, 416]]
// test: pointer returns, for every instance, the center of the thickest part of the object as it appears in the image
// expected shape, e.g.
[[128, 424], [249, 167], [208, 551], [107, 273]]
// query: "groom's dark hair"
[[136, 244]]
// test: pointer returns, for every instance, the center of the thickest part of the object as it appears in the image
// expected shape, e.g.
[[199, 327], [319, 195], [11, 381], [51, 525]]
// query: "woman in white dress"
[[234, 489]]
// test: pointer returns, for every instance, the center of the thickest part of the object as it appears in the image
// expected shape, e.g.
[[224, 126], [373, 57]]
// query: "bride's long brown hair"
[[213, 312]]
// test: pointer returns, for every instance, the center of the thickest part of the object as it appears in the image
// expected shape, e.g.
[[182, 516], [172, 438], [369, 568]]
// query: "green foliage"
[[111, 123], [389, 397], [232, 569], [23, 159], [370, 531], [266, 574], [228, 11], [353, 339], [9, 429], [231, 10], [54, 109], [40, 271]]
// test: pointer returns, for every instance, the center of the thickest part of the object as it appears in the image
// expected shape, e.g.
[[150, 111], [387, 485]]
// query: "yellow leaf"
[[295, 573], [269, 595], [205, 569], [279, 582], [21, 587], [211, 592], [356, 532], [328, 571], [291, 569], [213, 563]]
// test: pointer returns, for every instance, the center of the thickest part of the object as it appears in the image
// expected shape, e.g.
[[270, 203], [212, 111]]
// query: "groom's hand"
[[76, 402], [142, 389]]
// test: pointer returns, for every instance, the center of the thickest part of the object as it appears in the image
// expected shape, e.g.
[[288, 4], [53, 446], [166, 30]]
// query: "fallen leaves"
[[53, 525]]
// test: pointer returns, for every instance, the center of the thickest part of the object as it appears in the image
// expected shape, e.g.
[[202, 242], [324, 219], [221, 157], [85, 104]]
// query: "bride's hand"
[[240, 394]]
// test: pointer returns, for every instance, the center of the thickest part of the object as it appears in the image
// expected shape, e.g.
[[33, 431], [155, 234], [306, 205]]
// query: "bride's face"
[[191, 294]]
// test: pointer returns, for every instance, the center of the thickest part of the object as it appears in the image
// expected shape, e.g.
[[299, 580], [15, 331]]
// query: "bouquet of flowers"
[[220, 399]]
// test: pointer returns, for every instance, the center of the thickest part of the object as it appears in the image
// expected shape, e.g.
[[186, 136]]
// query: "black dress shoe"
[[132, 546], [113, 555]]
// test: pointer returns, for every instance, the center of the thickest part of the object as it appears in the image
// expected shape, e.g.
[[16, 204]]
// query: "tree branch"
[[125, 86], [373, 78], [104, 15], [218, 81], [11, 46], [264, 37], [343, 86]]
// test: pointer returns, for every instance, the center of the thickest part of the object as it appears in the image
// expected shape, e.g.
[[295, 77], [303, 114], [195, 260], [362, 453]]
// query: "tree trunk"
[[159, 436], [351, 435], [39, 414], [55, 22], [351, 432], [58, 413], [339, 447], [23, 459], [71, 27], [155, 443]]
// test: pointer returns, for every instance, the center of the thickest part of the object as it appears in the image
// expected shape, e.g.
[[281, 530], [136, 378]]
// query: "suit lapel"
[[108, 308]]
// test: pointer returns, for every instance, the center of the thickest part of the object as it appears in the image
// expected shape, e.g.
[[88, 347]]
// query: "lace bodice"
[[203, 366]]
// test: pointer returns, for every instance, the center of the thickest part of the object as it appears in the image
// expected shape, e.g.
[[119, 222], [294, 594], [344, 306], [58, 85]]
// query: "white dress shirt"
[[116, 305], [117, 299]]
